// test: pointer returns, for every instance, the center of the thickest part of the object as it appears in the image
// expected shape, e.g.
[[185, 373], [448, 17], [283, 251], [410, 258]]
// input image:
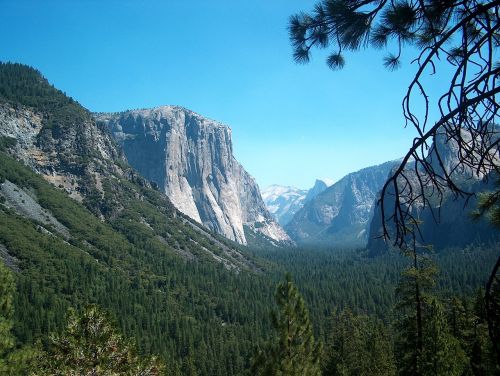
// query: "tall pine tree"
[[293, 352], [442, 354], [13, 361], [358, 345], [424, 343], [6, 313], [413, 294]]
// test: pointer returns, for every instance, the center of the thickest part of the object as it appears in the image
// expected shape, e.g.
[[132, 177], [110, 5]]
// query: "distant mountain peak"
[[284, 201], [340, 214], [319, 186]]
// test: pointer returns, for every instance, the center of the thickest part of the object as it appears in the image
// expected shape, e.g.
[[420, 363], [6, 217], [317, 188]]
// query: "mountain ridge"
[[341, 213], [445, 219]]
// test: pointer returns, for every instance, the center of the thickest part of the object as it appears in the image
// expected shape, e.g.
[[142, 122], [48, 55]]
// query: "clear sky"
[[228, 60]]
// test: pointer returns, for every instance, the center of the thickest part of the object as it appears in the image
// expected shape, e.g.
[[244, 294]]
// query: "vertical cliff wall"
[[191, 159]]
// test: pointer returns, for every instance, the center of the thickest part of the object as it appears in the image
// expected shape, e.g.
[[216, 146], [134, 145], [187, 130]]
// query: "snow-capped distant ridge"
[[274, 191], [284, 201]]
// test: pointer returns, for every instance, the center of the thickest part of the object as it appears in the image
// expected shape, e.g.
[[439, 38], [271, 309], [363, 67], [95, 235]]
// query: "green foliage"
[[474, 337], [331, 280], [358, 345], [91, 345], [466, 33], [352, 25], [434, 339], [195, 314], [442, 353], [6, 313], [294, 351], [7, 142], [489, 206], [414, 294], [165, 302], [14, 360], [123, 252], [20, 84]]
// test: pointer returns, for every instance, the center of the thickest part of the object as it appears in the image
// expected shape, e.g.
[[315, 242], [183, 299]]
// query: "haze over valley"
[[220, 189]]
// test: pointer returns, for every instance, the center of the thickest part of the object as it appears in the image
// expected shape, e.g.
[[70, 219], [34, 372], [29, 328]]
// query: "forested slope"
[[78, 226], [171, 305], [101, 234]]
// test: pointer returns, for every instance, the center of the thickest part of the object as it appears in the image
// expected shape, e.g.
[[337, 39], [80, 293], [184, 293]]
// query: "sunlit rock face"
[[75, 158], [191, 159], [341, 214]]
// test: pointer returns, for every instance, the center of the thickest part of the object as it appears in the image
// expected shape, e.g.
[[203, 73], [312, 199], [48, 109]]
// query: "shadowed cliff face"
[[444, 221], [191, 159]]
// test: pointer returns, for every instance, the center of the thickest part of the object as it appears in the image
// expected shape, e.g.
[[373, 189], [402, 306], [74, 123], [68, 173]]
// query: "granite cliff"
[[191, 159], [341, 214], [74, 156], [60, 141]]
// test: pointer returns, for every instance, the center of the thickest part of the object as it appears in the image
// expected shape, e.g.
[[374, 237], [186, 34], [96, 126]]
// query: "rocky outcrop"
[[191, 159], [341, 214], [23, 203], [75, 158]]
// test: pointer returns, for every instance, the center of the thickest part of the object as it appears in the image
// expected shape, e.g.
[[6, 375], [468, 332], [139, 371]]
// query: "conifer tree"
[[442, 354], [425, 344], [413, 295], [358, 346], [13, 361], [91, 345], [293, 352], [465, 33], [480, 349], [382, 361], [489, 205], [6, 313]]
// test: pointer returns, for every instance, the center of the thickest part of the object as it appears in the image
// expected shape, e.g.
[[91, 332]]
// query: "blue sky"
[[228, 60]]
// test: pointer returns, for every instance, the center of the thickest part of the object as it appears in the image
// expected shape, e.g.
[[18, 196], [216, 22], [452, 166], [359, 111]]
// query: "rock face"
[[318, 187], [75, 159], [60, 140], [283, 202], [446, 222], [341, 214], [191, 159]]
